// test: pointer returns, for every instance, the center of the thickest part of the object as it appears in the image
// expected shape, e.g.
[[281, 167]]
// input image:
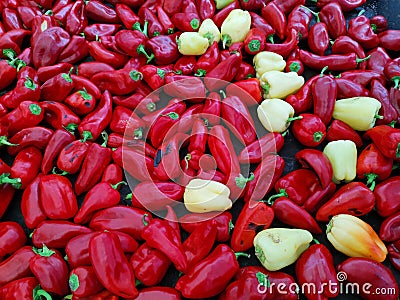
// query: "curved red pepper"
[[222, 73], [99, 30], [310, 131], [334, 62], [350, 89], [120, 82], [76, 19], [338, 130], [314, 202], [363, 77], [324, 92], [221, 15], [47, 72], [33, 136], [354, 198], [389, 39], [208, 60], [318, 38], [112, 174], [88, 69], [276, 17], [99, 52], [83, 282], [164, 48], [31, 207], [302, 100], [126, 15], [26, 166], [76, 50], [332, 15], [57, 88], [111, 266], [185, 87], [59, 116], [287, 46], [261, 24], [386, 139], [12, 237], [16, 266], [390, 229], [256, 151], [394, 254], [361, 31], [100, 12], [385, 193], [198, 138], [299, 19], [392, 72]]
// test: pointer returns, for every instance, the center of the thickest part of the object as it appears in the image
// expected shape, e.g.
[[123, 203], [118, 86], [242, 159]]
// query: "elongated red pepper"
[[83, 282], [276, 17], [309, 130], [76, 50], [387, 111], [346, 5], [324, 91], [76, 19], [389, 39], [99, 30], [59, 115], [363, 77], [88, 69], [359, 270], [120, 218], [100, 12], [389, 230], [57, 233], [164, 48], [302, 100], [264, 179], [16, 266], [126, 15], [51, 270], [316, 266], [57, 88], [27, 114], [31, 207], [349, 89], [186, 21], [101, 54], [254, 215], [339, 130], [268, 144], [32, 136], [45, 73], [320, 197], [185, 87], [224, 72], [26, 166], [385, 194], [12, 237], [111, 266], [152, 26], [120, 82], [208, 60], [345, 44], [260, 23], [55, 192], [332, 15], [24, 288], [220, 16], [287, 46], [386, 139]]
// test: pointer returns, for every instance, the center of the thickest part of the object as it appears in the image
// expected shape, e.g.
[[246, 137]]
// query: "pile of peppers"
[[95, 94]]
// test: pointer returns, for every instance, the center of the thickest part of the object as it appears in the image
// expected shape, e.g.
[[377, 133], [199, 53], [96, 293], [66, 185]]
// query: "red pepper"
[[71, 156], [389, 230], [220, 16], [208, 60], [361, 31], [332, 15], [48, 46], [27, 114], [185, 87], [310, 131], [339, 130], [11, 19], [150, 265], [13, 40], [153, 76], [124, 119], [111, 266], [289, 186], [16, 266], [88, 69], [378, 23], [276, 17], [41, 23], [212, 108], [57, 88], [165, 20], [302, 100], [320, 197], [112, 174], [99, 12], [264, 179], [354, 198], [185, 64], [394, 254], [299, 19], [249, 91], [132, 42], [316, 266], [164, 48], [126, 15], [57, 233], [77, 248], [223, 221], [253, 215], [334, 62], [8, 73], [76, 50], [288, 5], [45, 73], [59, 116], [31, 207], [26, 166], [292, 214], [349, 89], [246, 71], [57, 197], [81, 102], [51, 270], [324, 92], [99, 30], [385, 193], [99, 52], [206, 9], [389, 39], [83, 282], [61, 10], [287, 46], [27, 13], [386, 139], [198, 138], [12, 237], [362, 270], [392, 72], [222, 73], [318, 39], [120, 82], [207, 278], [346, 5], [394, 95], [256, 151], [24, 288], [254, 41], [260, 23], [372, 165], [294, 64], [165, 293], [186, 21], [82, 83], [33, 136], [76, 19]]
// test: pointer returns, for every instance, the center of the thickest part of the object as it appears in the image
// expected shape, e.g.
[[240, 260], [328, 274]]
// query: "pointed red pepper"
[[221, 15], [59, 116], [310, 131], [299, 19], [83, 282], [45, 73], [302, 100], [222, 73], [100, 53], [12, 237], [315, 201], [287, 46], [99, 12], [339, 130], [57, 88], [208, 60], [249, 91], [386, 139], [256, 151], [345, 44], [31, 206], [386, 193], [276, 17], [260, 23], [16, 266], [27, 114], [324, 92], [26, 166], [33, 136], [76, 50]]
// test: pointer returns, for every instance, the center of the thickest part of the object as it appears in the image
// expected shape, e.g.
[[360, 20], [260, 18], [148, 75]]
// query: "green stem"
[[241, 254], [223, 94], [294, 119], [200, 73], [396, 80], [145, 223], [316, 15], [3, 141], [104, 136], [140, 50], [226, 40], [282, 193], [117, 185], [317, 136], [360, 60], [128, 197], [86, 135], [5, 179], [241, 181]]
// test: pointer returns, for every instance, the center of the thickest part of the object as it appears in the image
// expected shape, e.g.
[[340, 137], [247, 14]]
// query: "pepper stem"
[[151, 106], [104, 136], [172, 115], [282, 193], [35, 109], [140, 50], [241, 254], [5, 179], [9, 53], [195, 23], [145, 223], [38, 293], [294, 119], [86, 135], [223, 94], [200, 73], [361, 13], [316, 241], [317, 136], [231, 226], [374, 27], [377, 116], [270, 38], [323, 71], [3, 141], [128, 197], [117, 185], [254, 45], [371, 177], [396, 80], [316, 15], [138, 133], [266, 87], [45, 252], [329, 226], [137, 282], [187, 158], [241, 181], [29, 84], [71, 127], [226, 40], [360, 60], [294, 67], [61, 173], [135, 75]]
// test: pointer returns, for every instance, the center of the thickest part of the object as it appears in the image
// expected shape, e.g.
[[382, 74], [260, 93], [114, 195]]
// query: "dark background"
[[391, 10]]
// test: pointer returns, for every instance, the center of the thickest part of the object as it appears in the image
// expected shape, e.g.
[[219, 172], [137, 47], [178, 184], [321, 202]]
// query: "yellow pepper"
[[280, 85], [210, 31], [235, 27], [275, 115], [343, 156], [360, 113], [355, 238], [277, 248], [268, 61], [222, 3], [206, 196], [192, 43]]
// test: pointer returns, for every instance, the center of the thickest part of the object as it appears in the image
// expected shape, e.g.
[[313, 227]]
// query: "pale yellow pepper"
[[206, 196], [279, 84], [210, 31], [192, 43], [343, 156], [275, 115], [355, 238], [235, 27], [222, 3], [268, 61], [360, 113], [277, 248]]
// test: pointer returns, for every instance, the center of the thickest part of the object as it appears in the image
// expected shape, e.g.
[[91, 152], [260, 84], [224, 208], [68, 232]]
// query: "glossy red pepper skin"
[[125, 119], [208, 60], [100, 53], [83, 282], [287, 46], [294, 64], [51, 270], [186, 21], [88, 69], [27, 114], [334, 62], [385, 192], [225, 72], [378, 23], [318, 38], [56, 192], [164, 48], [339, 130], [394, 96], [249, 91], [394, 254], [346, 5], [11, 19], [120, 218], [361, 31], [99, 30], [27, 13], [392, 72], [16, 266], [12, 237], [57, 233], [316, 266], [71, 156], [153, 76], [261, 24], [111, 266], [361, 270], [206, 9], [332, 15], [221, 15], [19, 289], [185, 87], [254, 41], [212, 108], [185, 65], [310, 131], [59, 115], [349, 89], [292, 214], [7, 74], [120, 82], [57, 88], [256, 151], [386, 138], [76, 50], [246, 71], [264, 179], [389, 40], [253, 215], [112, 174], [33, 136], [26, 165], [355, 199], [276, 17], [45, 73], [299, 19], [156, 292], [76, 19], [81, 102], [31, 207], [194, 283], [302, 100], [82, 83], [46, 50], [324, 92], [389, 230], [100, 12]]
